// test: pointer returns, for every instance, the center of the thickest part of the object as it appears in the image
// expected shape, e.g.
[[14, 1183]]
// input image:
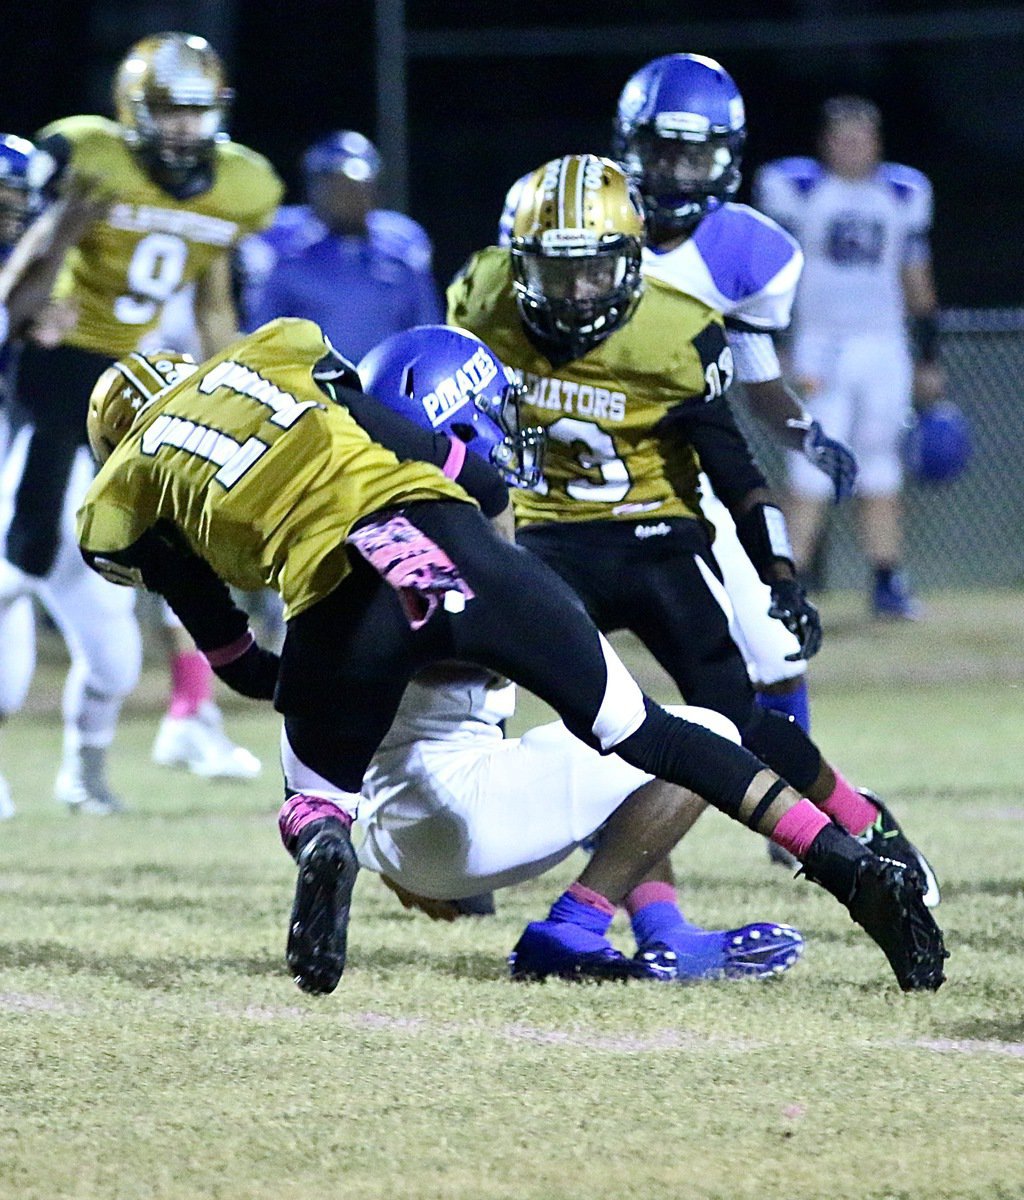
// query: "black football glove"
[[791, 606], [253, 673], [833, 458]]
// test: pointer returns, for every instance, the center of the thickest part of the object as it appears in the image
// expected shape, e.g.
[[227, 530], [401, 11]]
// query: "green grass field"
[[154, 1046]]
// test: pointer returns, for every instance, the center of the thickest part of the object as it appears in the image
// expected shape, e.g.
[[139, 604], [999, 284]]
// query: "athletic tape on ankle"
[[765, 802]]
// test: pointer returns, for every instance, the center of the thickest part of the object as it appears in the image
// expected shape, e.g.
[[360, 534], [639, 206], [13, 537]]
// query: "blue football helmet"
[[938, 445], [345, 153], [24, 171], [679, 133], [447, 380]]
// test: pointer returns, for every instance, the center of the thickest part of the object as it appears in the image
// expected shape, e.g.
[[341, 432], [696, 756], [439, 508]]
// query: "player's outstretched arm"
[[27, 277], [216, 318], [160, 562], [779, 407]]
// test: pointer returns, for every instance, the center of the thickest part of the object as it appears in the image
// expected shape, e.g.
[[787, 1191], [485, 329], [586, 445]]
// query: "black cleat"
[[318, 932], [888, 904], [886, 839]]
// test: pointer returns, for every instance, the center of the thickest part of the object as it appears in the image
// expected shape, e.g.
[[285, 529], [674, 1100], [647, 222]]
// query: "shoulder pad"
[[741, 220], [252, 179], [395, 234], [906, 182], [81, 129], [801, 172]]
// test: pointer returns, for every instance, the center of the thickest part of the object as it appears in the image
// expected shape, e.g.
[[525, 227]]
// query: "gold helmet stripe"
[[580, 164], [142, 369]]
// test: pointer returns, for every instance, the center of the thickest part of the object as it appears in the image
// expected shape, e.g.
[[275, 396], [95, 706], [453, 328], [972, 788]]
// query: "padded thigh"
[[645, 577]]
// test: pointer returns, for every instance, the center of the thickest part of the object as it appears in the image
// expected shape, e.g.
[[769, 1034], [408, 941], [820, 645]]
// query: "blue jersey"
[[358, 289]]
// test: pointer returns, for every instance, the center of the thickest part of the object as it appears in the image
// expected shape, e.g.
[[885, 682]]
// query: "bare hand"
[[54, 320]]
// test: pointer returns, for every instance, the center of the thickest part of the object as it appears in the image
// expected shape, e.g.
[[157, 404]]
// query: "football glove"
[[791, 606], [253, 673], [833, 458]]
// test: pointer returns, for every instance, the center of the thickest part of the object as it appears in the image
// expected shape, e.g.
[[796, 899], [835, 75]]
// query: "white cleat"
[[7, 809], [82, 785], [200, 744]]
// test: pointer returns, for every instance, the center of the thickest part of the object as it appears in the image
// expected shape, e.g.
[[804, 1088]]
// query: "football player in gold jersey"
[[263, 467], [179, 195], [629, 378]]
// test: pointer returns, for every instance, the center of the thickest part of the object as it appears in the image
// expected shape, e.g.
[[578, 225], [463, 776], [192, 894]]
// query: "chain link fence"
[[968, 533]]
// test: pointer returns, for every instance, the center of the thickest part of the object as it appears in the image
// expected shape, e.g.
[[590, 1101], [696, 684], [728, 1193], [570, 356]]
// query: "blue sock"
[[568, 908], [791, 704], [698, 950]]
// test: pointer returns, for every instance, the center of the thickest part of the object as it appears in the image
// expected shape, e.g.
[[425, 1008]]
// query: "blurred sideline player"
[[451, 809], [266, 467], [631, 417], [180, 197], [863, 225], [359, 271], [26, 312]]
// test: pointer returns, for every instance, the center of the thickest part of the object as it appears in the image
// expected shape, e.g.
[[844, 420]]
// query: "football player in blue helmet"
[[23, 172], [679, 133], [447, 380]]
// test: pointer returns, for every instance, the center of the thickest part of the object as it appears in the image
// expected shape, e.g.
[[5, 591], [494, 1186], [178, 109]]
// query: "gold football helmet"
[[576, 239], [171, 97], [125, 389]]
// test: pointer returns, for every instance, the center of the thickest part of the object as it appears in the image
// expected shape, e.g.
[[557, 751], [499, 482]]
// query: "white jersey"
[[737, 261], [856, 236]]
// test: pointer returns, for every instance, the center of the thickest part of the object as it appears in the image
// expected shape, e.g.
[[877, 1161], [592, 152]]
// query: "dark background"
[[948, 77]]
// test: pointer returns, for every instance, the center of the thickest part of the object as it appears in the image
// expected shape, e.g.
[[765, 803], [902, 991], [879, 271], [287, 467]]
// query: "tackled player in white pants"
[[451, 808]]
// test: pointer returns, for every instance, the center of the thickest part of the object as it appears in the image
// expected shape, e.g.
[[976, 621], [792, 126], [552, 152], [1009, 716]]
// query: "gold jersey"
[[603, 460], [262, 473], [150, 245]]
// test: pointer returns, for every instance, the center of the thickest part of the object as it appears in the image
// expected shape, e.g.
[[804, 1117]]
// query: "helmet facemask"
[[177, 139], [519, 453], [576, 292], [681, 173]]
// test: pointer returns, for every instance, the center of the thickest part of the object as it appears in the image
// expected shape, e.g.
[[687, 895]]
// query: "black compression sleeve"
[[723, 451], [198, 596], [762, 534], [409, 441]]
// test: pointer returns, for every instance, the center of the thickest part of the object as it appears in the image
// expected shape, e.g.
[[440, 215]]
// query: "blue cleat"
[[569, 951], [754, 951], [891, 600]]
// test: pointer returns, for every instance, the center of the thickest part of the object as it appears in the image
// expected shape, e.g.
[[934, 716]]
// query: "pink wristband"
[[227, 654], [456, 457]]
